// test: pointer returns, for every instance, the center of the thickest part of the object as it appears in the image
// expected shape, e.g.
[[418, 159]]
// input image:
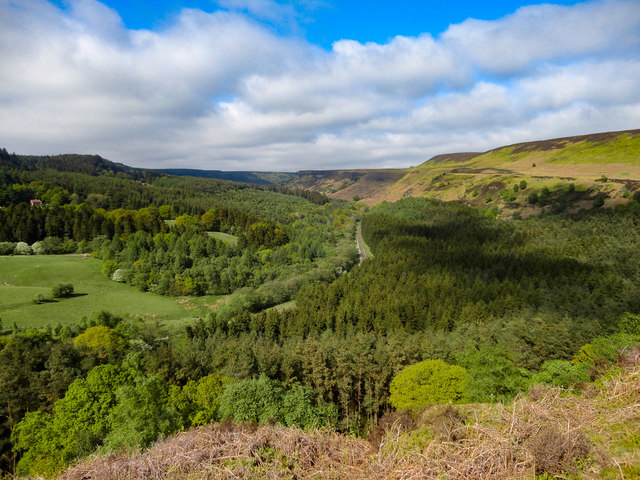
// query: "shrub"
[[598, 201], [108, 268], [120, 275], [560, 373], [23, 248], [38, 248], [7, 248], [523, 184], [629, 324], [491, 375], [38, 299], [425, 383], [62, 290], [533, 198]]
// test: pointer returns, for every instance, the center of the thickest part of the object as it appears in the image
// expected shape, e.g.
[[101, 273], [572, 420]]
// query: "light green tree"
[[142, 414], [80, 422], [425, 383], [101, 339]]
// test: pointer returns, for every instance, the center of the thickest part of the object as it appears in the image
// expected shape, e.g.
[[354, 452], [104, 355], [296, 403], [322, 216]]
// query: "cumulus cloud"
[[223, 90]]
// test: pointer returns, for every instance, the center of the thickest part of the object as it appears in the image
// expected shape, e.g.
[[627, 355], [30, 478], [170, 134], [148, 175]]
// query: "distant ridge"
[[561, 142], [258, 178]]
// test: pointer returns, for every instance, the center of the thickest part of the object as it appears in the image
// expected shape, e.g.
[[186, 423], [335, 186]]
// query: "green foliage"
[[560, 373], [80, 422], [102, 340], [7, 248], [425, 383], [491, 375], [28, 276], [39, 299], [62, 290], [142, 413], [604, 349], [507, 195], [598, 200], [629, 324], [523, 184], [22, 248], [199, 401], [252, 400], [108, 268], [533, 198], [300, 409]]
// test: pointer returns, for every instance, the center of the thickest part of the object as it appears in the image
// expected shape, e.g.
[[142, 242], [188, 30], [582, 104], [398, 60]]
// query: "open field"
[[225, 237], [23, 277]]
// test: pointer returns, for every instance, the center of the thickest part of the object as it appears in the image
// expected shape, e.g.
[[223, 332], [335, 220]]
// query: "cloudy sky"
[[321, 84]]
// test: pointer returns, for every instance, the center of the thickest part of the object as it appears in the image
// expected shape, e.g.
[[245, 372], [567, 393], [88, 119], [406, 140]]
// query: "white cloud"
[[544, 33], [219, 90]]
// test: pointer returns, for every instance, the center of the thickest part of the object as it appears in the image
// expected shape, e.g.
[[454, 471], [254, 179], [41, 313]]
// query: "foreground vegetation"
[[549, 433]]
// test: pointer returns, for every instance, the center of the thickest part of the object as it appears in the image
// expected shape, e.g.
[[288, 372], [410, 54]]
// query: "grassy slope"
[[551, 433], [579, 160], [225, 237], [23, 277]]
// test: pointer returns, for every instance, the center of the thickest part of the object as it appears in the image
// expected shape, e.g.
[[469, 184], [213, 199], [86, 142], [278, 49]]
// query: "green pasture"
[[225, 237], [23, 277]]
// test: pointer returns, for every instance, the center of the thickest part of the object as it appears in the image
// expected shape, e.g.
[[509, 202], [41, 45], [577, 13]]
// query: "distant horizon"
[[274, 86], [310, 168]]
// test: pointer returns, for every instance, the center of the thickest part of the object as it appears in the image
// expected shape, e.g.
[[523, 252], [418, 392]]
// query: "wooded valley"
[[476, 308]]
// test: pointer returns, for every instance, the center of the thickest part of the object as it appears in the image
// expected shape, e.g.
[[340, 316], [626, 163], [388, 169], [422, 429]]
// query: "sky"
[[273, 85]]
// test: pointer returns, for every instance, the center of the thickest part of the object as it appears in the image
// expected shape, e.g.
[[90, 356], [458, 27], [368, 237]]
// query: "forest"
[[487, 305]]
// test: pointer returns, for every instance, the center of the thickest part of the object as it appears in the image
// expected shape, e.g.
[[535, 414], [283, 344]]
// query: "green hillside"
[[603, 165]]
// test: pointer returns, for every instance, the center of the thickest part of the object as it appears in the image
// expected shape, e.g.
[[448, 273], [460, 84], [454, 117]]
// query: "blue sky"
[[324, 22], [266, 85]]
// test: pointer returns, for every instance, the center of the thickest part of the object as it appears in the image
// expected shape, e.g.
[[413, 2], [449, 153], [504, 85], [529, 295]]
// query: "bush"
[[523, 184], [38, 299], [560, 373], [533, 198], [7, 248], [598, 201], [120, 275], [38, 248], [23, 248], [62, 290], [252, 400], [491, 375], [108, 268], [425, 383]]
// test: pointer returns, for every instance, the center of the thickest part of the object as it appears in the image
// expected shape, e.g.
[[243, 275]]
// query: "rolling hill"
[[602, 164]]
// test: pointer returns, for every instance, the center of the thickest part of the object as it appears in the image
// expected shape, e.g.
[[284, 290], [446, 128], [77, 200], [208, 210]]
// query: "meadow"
[[24, 277]]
